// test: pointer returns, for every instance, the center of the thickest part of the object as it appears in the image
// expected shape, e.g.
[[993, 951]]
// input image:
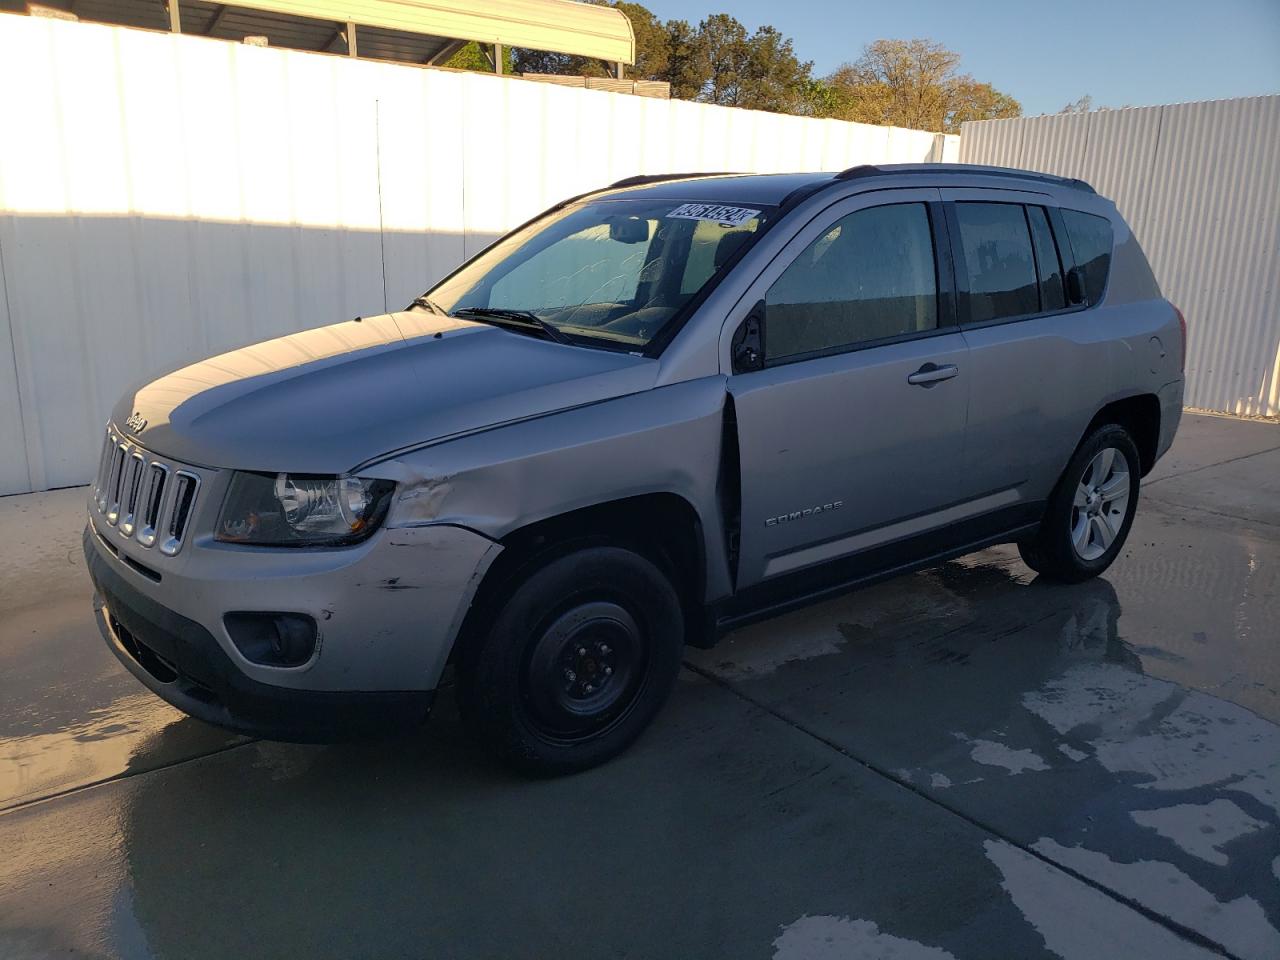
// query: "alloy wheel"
[[1100, 504]]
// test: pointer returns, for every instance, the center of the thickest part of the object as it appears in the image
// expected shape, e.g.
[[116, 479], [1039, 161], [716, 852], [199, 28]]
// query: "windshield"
[[611, 271]]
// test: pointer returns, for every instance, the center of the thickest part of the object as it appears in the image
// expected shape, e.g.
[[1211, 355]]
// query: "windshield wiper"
[[425, 301], [521, 320]]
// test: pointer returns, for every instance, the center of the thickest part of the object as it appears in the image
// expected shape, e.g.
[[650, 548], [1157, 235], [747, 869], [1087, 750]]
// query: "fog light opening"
[[273, 639]]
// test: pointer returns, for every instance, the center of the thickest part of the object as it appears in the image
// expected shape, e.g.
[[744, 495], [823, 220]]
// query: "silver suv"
[[646, 417]]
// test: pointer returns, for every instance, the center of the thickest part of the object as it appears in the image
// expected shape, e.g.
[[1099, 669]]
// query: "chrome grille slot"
[[184, 495], [145, 498], [157, 484], [104, 468], [129, 501], [115, 480]]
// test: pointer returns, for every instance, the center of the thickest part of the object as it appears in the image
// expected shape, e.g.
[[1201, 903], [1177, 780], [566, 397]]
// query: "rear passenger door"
[[851, 435], [1038, 364]]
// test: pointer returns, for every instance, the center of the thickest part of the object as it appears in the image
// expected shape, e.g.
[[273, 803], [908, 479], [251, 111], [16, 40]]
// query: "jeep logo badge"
[[136, 422]]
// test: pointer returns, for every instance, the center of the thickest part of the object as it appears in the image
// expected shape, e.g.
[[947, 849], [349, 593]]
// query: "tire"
[[575, 664], [1090, 511]]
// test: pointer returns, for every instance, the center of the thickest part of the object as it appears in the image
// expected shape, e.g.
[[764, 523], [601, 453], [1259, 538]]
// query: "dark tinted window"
[[1091, 242], [1052, 296], [997, 258], [870, 276]]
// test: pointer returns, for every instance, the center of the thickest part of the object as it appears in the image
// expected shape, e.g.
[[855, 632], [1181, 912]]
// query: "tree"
[[653, 50], [715, 62], [913, 83], [820, 98], [475, 57], [1083, 105], [971, 100], [759, 71]]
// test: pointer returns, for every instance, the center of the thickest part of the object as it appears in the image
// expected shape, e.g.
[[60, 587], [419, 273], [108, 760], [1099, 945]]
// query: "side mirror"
[[628, 230], [748, 342], [1075, 286]]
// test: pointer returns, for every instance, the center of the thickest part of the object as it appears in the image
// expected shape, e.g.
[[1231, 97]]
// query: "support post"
[[618, 71], [351, 38], [497, 59], [175, 18], [215, 20]]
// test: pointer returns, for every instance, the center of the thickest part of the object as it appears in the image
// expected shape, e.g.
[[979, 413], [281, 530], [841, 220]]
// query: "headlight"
[[291, 509]]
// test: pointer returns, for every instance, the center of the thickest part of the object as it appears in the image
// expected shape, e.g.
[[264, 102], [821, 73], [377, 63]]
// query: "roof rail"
[[970, 169], [660, 177]]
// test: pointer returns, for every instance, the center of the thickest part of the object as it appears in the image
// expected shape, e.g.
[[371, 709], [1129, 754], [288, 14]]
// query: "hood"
[[329, 399]]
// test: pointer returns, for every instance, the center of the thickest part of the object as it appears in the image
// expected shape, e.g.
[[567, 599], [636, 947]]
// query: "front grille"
[[143, 497]]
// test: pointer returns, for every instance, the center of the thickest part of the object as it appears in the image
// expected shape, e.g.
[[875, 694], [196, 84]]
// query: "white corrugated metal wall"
[[1199, 184], [167, 197]]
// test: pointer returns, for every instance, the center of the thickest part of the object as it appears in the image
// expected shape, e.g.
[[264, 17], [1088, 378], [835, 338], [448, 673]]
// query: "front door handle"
[[931, 373]]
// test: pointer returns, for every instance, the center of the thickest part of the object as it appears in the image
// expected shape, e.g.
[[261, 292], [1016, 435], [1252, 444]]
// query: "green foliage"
[[913, 83], [476, 57], [759, 71]]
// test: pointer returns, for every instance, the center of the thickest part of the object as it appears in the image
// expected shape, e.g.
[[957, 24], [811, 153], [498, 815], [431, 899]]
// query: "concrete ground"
[[962, 763]]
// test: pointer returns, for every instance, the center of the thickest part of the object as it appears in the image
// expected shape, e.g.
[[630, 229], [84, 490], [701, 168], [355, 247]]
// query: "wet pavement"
[[962, 763]]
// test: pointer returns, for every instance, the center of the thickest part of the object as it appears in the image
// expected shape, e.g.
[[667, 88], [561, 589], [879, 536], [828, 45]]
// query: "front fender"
[[665, 440]]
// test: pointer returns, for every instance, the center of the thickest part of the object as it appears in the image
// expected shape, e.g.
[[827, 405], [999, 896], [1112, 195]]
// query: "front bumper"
[[179, 661], [380, 653]]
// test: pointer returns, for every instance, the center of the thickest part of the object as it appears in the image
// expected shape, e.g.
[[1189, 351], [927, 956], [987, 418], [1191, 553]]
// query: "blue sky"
[[1046, 54]]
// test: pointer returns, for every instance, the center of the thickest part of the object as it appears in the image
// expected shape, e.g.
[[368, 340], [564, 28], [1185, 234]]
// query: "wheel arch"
[[1139, 414], [663, 527]]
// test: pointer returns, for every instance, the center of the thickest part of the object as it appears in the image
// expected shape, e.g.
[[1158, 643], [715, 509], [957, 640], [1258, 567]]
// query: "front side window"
[[1091, 242], [608, 272], [998, 265], [869, 277]]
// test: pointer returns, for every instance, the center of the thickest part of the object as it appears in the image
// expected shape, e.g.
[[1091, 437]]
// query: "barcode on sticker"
[[734, 216]]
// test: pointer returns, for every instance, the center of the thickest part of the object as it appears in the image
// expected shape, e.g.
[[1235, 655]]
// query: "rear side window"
[[1052, 294], [1091, 242], [998, 263], [869, 277]]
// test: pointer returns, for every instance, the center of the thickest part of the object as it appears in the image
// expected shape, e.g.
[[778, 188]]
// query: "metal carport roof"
[[421, 31]]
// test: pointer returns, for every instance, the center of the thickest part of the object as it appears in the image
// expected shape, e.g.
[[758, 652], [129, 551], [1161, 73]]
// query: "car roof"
[[778, 188]]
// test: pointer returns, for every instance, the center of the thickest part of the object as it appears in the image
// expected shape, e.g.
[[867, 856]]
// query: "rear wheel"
[[1090, 511], [576, 663]]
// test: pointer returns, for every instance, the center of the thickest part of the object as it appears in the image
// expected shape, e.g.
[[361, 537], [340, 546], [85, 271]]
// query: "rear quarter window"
[[1091, 242]]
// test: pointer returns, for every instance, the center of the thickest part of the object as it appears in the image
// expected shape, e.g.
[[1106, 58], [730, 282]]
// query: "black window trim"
[[961, 272], [1035, 256], [944, 279]]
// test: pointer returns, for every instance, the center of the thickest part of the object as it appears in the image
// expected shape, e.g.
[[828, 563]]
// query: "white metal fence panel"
[[166, 197], [1199, 184]]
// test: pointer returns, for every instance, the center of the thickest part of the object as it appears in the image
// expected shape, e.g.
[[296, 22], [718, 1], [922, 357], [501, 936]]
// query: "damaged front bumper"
[[387, 613]]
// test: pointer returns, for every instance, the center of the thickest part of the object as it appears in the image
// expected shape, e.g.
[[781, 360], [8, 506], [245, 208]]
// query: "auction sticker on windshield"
[[733, 216]]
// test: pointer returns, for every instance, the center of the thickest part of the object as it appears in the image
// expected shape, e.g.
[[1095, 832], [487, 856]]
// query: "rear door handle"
[[931, 373]]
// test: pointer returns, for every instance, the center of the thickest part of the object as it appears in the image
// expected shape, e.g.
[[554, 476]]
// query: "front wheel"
[[576, 663], [1090, 511]]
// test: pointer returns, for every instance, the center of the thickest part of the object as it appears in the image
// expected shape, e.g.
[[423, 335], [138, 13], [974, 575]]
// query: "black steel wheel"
[[576, 662]]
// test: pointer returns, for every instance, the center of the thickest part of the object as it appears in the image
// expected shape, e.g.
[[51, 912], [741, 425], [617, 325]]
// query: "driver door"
[[851, 436]]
